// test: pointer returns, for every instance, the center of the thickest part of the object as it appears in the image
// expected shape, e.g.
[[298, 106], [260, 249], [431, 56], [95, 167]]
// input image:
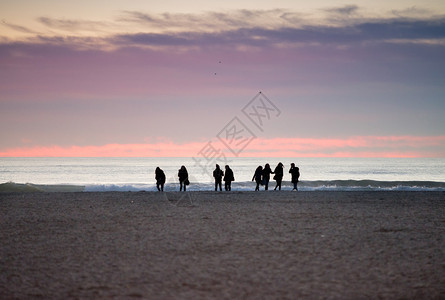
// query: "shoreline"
[[206, 244], [316, 185]]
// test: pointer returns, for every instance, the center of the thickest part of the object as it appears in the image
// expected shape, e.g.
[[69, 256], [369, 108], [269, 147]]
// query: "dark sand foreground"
[[274, 245]]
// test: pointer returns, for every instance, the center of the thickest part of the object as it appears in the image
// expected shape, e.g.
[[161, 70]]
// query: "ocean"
[[137, 174]]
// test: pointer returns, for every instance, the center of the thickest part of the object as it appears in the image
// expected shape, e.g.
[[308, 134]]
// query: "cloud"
[[18, 28], [359, 146], [129, 65], [239, 28], [411, 12], [74, 25], [346, 10], [375, 32], [210, 21]]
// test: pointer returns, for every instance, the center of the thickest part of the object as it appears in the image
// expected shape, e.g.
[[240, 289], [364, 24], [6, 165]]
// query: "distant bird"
[[219, 62]]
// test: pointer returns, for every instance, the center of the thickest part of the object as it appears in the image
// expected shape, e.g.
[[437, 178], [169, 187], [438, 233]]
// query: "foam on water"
[[137, 174], [319, 185]]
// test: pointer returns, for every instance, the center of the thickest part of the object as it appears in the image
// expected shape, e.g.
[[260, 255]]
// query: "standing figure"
[[266, 176], [278, 175], [228, 178], [295, 172], [160, 179], [183, 178], [258, 177], [218, 174]]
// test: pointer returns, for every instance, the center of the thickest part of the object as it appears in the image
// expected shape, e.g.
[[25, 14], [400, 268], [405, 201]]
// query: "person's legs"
[[157, 186], [266, 184], [279, 184], [162, 187], [216, 186], [180, 186]]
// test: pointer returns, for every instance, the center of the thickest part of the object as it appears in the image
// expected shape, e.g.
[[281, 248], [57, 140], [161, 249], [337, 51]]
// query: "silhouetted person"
[[160, 179], [218, 174], [228, 178], [183, 178], [258, 177], [266, 176], [295, 172], [278, 176]]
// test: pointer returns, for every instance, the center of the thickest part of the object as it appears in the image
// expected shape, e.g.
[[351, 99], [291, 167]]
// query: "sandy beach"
[[238, 245]]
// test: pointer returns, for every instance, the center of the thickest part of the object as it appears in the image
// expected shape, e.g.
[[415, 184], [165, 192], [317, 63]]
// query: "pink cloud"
[[360, 146], [382, 142]]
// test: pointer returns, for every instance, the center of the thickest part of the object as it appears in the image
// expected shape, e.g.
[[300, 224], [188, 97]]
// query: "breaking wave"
[[317, 185]]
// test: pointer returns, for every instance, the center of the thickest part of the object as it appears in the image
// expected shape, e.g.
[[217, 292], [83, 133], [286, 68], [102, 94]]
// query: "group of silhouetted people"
[[261, 177]]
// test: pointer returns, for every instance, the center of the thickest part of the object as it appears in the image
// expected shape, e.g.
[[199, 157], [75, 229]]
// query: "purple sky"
[[180, 77]]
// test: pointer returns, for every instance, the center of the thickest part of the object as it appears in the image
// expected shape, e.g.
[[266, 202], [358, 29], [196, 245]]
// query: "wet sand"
[[206, 245]]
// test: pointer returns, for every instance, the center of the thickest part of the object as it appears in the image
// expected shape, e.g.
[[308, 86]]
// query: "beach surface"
[[228, 245]]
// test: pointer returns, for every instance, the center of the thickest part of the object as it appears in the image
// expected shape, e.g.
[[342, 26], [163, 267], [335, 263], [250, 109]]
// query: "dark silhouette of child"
[[278, 175], [228, 178], [183, 178], [258, 177], [160, 179], [266, 176], [218, 174], [295, 175]]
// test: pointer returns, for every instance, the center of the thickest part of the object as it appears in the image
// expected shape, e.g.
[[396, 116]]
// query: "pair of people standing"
[[262, 176], [219, 175], [182, 174]]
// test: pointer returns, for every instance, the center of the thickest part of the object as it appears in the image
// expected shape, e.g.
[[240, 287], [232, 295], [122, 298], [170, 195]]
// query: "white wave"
[[336, 185], [349, 185]]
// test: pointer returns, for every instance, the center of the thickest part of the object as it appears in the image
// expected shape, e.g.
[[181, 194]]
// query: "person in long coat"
[[266, 176], [218, 175], [278, 175], [183, 178], [160, 179], [258, 177], [228, 178], [295, 175]]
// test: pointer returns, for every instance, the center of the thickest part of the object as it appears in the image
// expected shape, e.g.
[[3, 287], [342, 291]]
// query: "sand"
[[206, 245]]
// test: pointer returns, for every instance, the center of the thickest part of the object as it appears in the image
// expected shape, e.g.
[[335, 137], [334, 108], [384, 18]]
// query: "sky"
[[177, 78]]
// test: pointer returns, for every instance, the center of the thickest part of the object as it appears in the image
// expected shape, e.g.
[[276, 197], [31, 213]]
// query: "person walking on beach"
[[258, 177], [295, 175], [183, 178], [266, 176], [218, 175], [160, 179], [278, 176], [228, 178]]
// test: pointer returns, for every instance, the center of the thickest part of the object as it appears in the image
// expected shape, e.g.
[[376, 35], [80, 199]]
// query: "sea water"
[[137, 174]]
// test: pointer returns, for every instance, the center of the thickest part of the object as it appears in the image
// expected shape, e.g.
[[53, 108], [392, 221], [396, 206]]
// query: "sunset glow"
[[403, 146], [162, 79]]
